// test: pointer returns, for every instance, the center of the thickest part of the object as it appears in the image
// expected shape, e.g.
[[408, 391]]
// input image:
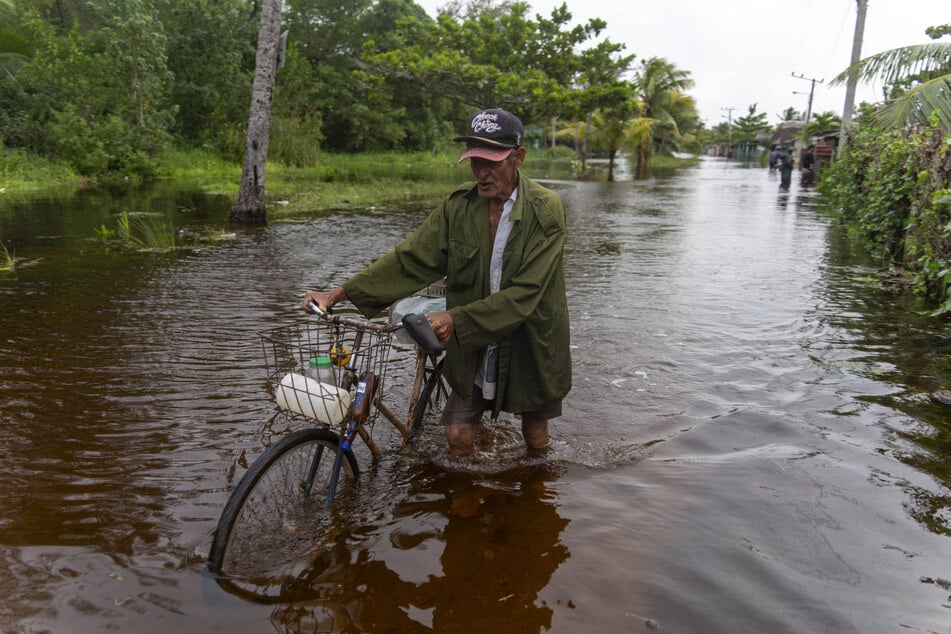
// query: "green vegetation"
[[918, 81], [140, 231], [10, 262], [891, 182], [335, 181], [109, 89], [125, 91], [377, 179], [7, 259], [21, 171], [892, 188], [672, 162]]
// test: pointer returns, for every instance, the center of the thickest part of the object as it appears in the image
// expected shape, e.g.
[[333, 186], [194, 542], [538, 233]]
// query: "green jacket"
[[529, 316]]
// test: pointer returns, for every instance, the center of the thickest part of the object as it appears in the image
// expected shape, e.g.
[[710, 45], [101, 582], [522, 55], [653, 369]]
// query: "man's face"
[[497, 179]]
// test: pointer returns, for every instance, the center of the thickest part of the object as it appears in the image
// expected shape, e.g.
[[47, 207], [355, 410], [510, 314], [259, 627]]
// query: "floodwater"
[[750, 445]]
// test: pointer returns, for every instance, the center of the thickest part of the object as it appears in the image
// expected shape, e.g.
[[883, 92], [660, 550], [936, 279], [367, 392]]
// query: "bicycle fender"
[[422, 333]]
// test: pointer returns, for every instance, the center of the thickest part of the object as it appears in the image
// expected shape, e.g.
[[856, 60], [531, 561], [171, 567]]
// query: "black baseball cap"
[[493, 134]]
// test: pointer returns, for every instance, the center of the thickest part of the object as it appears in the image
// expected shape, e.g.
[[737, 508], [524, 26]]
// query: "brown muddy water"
[[749, 446]]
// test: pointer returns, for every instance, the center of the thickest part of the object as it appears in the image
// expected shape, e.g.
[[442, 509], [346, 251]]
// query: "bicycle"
[[268, 524]]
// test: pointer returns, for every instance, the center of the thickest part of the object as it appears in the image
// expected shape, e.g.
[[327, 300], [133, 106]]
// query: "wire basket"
[[323, 391]]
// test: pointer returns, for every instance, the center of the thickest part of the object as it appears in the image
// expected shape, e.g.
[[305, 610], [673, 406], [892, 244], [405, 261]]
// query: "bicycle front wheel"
[[273, 520]]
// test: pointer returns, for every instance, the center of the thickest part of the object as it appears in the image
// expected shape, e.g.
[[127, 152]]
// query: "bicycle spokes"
[[307, 485]]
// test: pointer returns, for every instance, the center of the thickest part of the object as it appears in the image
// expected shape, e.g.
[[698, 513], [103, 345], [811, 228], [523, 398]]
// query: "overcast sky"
[[742, 52]]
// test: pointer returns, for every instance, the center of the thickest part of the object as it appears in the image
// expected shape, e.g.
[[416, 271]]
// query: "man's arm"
[[324, 299]]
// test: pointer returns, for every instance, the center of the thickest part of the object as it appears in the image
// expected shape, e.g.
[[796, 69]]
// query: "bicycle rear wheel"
[[273, 519]]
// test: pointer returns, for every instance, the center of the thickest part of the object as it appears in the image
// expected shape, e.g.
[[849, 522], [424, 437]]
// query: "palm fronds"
[[929, 94]]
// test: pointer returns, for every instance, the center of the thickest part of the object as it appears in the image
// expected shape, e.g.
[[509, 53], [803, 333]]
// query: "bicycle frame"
[[295, 471], [359, 409]]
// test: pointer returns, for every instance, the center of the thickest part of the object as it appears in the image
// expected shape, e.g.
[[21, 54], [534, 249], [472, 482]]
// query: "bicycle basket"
[[324, 394]]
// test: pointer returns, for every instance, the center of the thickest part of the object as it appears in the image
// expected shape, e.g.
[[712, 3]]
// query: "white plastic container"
[[325, 403]]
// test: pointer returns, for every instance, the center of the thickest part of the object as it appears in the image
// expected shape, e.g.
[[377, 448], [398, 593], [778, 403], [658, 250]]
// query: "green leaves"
[[746, 128], [891, 187], [109, 84], [920, 77], [95, 96], [497, 55]]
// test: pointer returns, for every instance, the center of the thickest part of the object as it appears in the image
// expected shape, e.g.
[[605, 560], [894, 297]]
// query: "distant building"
[[718, 149], [825, 143], [787, 133]]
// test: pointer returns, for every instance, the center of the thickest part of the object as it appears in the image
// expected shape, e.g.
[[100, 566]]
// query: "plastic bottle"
[[322, 369], [324, 402]]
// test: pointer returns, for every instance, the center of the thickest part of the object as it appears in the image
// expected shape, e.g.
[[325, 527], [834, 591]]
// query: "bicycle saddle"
[[422, 333]]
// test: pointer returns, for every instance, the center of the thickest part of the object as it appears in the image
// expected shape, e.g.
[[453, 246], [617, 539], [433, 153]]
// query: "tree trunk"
[[643, 158], [249, 206], [584, 142]]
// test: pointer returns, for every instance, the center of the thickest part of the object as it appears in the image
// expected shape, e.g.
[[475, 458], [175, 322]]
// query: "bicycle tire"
[[424, 404], [269, 524]]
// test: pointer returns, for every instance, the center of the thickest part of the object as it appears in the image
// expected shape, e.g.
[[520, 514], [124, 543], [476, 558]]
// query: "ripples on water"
[[748, 446]]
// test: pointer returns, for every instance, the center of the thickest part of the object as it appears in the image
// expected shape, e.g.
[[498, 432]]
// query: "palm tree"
[[789, 114], [641, 133], [822, 122], [609, 130], [929, 64], [660, 88], [572, 134]]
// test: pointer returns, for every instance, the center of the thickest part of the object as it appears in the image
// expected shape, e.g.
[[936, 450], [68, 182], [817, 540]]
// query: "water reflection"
[[456, 552], [750, 440]]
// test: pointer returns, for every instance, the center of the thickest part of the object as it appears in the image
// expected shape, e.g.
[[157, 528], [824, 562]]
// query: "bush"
[[99, 148], [892, 189], [294, 142]]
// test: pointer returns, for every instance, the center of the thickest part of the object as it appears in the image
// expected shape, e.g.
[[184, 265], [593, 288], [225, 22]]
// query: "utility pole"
[[729, 130], [853, 79], [812, 90]]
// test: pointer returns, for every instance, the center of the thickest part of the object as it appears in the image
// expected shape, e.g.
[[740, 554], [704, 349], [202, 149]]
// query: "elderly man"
[[498, 242]]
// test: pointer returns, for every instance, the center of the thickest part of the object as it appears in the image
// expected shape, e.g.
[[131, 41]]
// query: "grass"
[[337, 181], [24, 172], [145, 231], [672, 162], [208, 170], [152, 232], [379, 179], [7, 260]]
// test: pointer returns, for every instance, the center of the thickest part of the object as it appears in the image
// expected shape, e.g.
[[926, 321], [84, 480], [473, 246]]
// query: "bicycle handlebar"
[[416, 325], [353, 322]]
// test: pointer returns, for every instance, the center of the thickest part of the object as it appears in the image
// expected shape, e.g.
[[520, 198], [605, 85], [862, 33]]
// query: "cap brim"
[[487, 153], [480, 141]]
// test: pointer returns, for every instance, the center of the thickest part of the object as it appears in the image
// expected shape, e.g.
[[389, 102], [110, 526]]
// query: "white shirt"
[[490, 356]]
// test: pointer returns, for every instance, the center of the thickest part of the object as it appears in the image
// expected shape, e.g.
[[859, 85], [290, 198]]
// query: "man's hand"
[[442, 325], [324, 299]]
